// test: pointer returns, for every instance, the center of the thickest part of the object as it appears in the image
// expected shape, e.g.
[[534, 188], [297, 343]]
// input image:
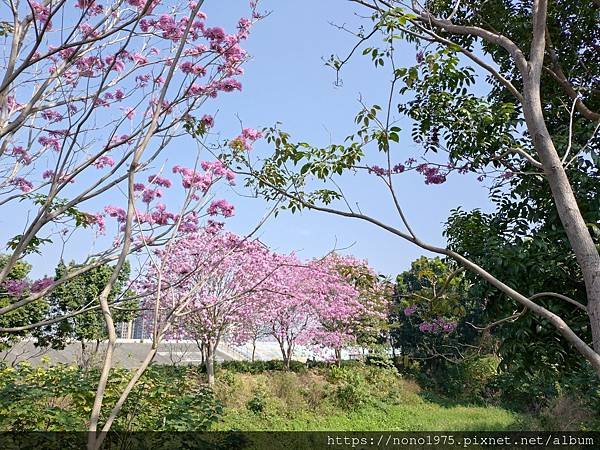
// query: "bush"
[[565, 413], [60, 398], [313, 364], [262, 366], [381, 360], [258, 403], [351, 391]]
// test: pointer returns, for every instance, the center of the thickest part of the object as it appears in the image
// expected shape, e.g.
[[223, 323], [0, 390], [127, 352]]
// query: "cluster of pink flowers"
[[194, 179], [17, 288], [116, 212], [41, 13], [221, 207], [22, 155], [109, 90], [160, 181], [50, 142], [438, 325], [433, 173], [22, 184], [219, 170], [245, 140], [104, 161], [409, 311]]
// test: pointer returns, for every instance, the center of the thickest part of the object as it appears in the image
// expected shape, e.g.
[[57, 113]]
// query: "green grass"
[[308, 402], [426, 417]]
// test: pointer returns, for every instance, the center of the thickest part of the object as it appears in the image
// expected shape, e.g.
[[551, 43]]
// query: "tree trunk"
[[253, 349], [210, 364], [338, 357], [283, 352], [83, 356], [566, 205]]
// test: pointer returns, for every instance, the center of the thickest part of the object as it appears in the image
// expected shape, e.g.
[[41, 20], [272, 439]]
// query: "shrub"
[[352, 395], [258, 403], [381, 360], [477, 373], [351, 391], [262, 366], [60, 398]]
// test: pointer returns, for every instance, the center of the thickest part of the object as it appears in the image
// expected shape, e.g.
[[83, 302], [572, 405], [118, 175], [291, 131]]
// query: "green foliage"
[[81, 291], [351, 389], [380, 359], [60, 399], [335, 399], [530, 263], [261, 366], [258, 403], [433, 289]]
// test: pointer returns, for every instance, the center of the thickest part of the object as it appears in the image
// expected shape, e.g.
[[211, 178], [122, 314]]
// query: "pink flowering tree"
[[209, 283], [316, 305], [354, 309], [92, 96], [291, 317]]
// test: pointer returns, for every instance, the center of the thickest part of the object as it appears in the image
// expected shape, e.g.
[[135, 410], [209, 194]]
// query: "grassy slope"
[[290, 403]]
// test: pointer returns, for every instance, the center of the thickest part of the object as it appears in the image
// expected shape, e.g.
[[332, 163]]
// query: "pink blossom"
[[129, 113], [116, 212], [15, 288], [41, 284], [229, 85], [161, 216], [104, 161], [148, 195], [98, 221], [207, 121], [251, 134], [187, 67], [114, 63], [53, 116], [22, 184], [215, 34], [22, 155], [221, 207], [41, 13], [160, 181], [53, 143], [410, 310]]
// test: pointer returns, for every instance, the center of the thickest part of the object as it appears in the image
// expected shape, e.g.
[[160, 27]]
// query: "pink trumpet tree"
[[214, 285], [218, 277], [316, 305], [353, 303], [92, 94]]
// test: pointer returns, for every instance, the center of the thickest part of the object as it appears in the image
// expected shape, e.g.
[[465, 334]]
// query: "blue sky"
[[287, 81]]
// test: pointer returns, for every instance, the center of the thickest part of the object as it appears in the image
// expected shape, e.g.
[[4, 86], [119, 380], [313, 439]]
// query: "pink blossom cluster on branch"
[[86, 104], [433, 173]]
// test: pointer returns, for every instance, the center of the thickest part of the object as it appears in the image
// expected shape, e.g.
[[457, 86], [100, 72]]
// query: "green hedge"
[[261, 366]]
